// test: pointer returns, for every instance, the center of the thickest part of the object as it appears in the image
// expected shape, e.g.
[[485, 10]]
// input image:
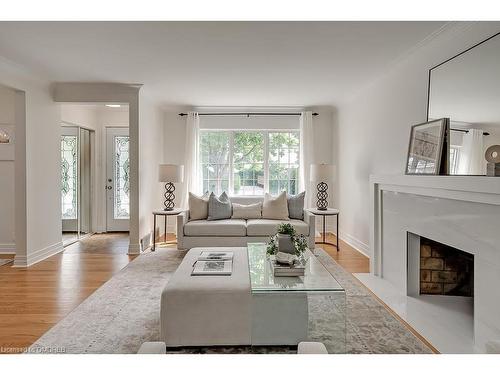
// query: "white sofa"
[[236, 232]]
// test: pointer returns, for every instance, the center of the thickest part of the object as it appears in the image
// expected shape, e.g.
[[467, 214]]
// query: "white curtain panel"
[[191, 164], [306, 155], [472, 153]]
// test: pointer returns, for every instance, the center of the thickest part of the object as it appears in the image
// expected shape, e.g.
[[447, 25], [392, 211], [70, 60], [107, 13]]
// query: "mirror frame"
[[444, 62]]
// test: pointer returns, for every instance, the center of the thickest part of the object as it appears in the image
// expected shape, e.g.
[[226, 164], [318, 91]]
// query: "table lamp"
[[170, 173], [321, 174]]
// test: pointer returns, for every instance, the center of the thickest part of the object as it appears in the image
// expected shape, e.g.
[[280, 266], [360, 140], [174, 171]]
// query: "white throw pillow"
[[198, 206], [275, 207], [247, 211]]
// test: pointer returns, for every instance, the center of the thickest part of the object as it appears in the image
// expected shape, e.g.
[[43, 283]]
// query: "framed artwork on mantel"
[[7, 138], [429, 148]]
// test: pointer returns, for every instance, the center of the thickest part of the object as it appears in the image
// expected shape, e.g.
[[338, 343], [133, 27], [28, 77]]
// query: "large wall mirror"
[[466, 89]]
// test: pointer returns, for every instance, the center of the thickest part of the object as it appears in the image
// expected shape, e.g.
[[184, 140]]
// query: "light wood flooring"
[[33, 300]]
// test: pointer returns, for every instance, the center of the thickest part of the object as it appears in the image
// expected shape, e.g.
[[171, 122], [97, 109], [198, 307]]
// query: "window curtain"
[[191, 166], [472, 153], [306, 155]]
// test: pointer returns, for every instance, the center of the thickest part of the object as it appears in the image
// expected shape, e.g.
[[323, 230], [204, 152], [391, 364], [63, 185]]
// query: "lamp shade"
[[322, 172], [170, 173]]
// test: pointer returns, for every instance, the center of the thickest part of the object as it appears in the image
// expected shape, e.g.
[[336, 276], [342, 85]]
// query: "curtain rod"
[[466, 131], [248, 114]]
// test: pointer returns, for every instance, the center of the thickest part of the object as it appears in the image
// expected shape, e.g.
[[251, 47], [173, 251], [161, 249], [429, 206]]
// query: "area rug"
[[124, 313]]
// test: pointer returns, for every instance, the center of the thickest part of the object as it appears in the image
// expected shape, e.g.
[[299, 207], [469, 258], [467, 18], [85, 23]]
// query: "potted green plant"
[[286, 240]]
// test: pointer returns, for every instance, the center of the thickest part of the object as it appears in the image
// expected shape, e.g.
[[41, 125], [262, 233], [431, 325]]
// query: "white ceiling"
[[217, 63]]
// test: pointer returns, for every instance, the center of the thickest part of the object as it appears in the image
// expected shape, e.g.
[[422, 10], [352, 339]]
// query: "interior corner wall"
[[150, 156], [374, 126]]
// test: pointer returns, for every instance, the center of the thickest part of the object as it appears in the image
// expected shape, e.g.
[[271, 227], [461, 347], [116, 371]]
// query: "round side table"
[[325, 213], [174, 212]]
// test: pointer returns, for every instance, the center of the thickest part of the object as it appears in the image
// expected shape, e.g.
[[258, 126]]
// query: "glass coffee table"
[[288, 310]]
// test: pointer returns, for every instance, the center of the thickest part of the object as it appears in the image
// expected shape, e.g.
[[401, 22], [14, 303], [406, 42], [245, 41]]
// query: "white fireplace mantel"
[[460, 211]]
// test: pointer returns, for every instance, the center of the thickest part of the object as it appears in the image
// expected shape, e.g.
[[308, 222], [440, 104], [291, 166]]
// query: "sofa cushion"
[[198, 206], [296, 206], [267, 227], [247, 211], [222, 228], [275, 207], [219, 207]]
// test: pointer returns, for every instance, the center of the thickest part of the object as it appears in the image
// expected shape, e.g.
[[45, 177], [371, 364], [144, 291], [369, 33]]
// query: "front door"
[[117, 180]]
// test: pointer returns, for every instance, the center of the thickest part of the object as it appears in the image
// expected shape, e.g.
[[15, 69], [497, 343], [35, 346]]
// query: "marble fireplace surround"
[[460, 211]]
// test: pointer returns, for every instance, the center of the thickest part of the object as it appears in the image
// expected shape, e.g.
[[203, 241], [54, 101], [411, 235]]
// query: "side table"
[[325, 213], [174, 212]]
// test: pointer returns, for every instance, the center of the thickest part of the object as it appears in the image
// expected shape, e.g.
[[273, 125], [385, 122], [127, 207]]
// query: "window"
[[69, 164], [122, 178], [249, 162]]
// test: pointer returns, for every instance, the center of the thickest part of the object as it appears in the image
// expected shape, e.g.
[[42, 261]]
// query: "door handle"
[[109, 187]]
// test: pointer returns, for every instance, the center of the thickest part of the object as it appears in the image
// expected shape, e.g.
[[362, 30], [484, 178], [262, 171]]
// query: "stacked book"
[[218, 263], [280, 269]]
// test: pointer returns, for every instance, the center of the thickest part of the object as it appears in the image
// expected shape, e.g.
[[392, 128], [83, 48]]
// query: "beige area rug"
[[124, 313]]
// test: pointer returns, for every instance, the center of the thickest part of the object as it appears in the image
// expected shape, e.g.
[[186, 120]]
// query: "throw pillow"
[[296, 205], [275, 207], [219, 208], [247, 211], [198, 206]]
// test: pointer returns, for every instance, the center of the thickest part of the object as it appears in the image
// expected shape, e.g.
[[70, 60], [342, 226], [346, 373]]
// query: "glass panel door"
[[118, 179]]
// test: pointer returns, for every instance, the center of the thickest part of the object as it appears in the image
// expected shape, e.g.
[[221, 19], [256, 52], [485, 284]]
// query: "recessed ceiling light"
[[113, 105]]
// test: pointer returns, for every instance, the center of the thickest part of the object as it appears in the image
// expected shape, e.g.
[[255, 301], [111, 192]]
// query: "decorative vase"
[[285, 243]]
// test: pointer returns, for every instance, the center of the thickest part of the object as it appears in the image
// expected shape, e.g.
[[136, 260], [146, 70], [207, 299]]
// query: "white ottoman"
[[207, 310]]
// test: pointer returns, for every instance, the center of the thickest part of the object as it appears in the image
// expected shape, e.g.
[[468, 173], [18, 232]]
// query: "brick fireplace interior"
[[445, 270]]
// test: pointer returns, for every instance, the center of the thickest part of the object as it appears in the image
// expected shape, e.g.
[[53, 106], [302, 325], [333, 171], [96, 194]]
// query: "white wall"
[[374, 126], [325, 126], [7, 185], [151, 136], [39, 143]]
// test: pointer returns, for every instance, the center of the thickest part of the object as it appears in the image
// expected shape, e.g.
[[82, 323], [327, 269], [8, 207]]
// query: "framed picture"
[[428, 150]]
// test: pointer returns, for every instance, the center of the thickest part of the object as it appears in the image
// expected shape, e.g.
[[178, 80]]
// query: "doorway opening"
[[95, 170]]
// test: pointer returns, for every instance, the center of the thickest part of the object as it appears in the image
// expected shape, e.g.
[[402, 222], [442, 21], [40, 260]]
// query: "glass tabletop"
[[316, 278]]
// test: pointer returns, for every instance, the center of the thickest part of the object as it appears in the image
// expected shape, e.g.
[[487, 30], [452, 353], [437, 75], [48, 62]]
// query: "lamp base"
[[169, 196], [322, 203]]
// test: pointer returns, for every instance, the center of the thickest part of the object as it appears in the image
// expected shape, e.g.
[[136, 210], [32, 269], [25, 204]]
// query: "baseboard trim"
[[7, 248], [354, 242], [38, 256]]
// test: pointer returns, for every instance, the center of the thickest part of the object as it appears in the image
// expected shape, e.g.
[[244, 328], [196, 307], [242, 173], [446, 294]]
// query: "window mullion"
[[266, 162], [231, 159]]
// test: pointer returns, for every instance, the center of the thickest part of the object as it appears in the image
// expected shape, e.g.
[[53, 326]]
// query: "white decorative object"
[[492, 156], [191, 166]]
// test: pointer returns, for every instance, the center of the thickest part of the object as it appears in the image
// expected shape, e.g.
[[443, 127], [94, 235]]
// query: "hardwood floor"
[[33, 300]]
